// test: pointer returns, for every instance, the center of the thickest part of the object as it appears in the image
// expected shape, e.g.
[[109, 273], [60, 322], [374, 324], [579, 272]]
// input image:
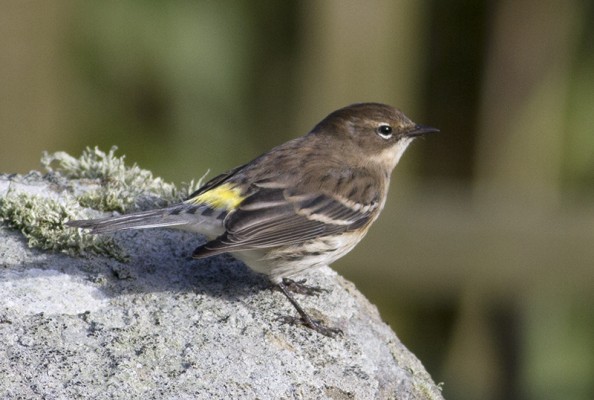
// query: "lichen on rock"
[[109, 186]]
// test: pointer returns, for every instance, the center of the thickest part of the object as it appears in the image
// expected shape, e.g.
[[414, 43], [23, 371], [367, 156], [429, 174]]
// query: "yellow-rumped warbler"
[[301, 205]]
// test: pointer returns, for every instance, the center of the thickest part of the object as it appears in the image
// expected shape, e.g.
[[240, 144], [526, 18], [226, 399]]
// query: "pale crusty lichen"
[[41, 220], [121, 188], [97, 180]]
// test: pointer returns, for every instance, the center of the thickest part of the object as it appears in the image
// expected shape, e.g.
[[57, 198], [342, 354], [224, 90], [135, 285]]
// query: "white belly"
[[279, 263]]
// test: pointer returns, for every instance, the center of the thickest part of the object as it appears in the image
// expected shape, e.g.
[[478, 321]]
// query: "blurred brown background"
[[483, 261]]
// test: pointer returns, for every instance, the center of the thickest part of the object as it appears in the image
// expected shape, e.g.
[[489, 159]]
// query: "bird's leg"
[[299, 287], [305, 318]]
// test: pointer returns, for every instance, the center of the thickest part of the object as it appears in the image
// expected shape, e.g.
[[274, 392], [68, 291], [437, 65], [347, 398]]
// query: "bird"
[[302, 205]]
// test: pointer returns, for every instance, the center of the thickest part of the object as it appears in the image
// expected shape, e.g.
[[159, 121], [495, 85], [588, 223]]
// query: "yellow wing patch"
[[224, 197]]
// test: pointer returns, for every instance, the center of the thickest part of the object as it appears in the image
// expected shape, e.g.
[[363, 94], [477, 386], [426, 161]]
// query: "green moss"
[[96, 180]]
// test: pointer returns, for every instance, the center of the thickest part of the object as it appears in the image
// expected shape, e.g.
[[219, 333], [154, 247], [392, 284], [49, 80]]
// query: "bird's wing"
[[277, 216]]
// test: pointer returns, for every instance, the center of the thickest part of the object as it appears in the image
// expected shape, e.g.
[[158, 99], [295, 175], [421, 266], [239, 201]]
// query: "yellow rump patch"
[[224, 197]]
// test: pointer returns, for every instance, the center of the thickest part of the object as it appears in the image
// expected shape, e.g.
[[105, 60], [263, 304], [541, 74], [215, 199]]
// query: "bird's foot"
[[316, 325], [299, 287], [304, 318]]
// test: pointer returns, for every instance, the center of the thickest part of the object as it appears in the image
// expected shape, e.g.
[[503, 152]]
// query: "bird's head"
[[377, 132]]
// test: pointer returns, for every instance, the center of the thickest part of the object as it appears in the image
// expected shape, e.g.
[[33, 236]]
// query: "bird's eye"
[[385, 131]]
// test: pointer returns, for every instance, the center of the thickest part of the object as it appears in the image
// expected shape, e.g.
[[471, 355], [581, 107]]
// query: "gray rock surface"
[[164, 326]]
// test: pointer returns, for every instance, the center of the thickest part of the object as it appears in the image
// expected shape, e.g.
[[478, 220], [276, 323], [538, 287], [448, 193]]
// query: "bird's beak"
[[420, 130]]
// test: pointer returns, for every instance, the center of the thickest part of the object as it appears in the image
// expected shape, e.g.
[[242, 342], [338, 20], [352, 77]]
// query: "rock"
[[162, 325]]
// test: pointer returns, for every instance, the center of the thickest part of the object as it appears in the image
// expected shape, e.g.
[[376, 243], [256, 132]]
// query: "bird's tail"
[[176, 216]]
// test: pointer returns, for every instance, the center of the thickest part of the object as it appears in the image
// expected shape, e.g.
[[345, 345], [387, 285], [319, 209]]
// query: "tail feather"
[[172, 216]]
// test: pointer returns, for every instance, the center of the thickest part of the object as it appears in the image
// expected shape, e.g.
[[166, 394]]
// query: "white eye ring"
[[385, 131]]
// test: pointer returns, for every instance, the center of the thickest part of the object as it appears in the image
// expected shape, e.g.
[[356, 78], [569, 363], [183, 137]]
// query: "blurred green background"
[[483, 261]]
